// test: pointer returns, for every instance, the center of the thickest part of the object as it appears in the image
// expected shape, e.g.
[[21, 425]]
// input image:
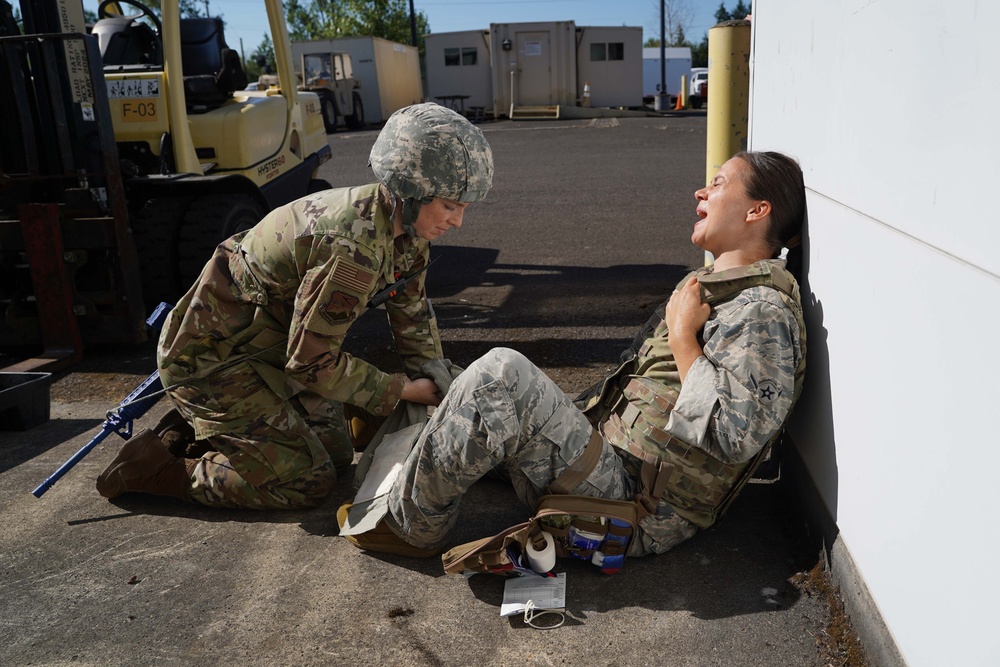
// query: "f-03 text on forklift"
[[128, 151]]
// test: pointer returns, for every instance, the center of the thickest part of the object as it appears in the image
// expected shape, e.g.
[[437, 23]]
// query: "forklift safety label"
[[133, 88]]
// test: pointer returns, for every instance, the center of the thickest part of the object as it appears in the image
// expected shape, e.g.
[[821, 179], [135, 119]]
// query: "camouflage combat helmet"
[[427, 150]]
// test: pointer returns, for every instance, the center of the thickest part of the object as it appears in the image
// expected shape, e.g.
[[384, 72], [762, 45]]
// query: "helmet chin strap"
[[411, 209]]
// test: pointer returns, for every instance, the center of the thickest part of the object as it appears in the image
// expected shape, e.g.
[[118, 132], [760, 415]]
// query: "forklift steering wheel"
[[144, 11]]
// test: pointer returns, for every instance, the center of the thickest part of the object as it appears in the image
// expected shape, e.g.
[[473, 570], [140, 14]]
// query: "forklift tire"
[[356, 120], [210, 220], [155, 230], [329, 112]]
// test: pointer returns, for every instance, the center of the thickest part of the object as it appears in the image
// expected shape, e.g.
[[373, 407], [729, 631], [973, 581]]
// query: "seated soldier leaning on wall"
[[701, 393], [251, 356]]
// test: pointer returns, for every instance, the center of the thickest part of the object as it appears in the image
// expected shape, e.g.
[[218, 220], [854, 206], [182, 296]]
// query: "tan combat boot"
[[178, 435], [144, 464], [381, 539]]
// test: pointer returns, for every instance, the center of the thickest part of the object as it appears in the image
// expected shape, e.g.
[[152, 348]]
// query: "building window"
[[607, 51], [454, 56]]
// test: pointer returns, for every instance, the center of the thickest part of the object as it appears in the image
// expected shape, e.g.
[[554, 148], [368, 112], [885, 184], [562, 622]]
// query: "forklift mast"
[[69, 273]]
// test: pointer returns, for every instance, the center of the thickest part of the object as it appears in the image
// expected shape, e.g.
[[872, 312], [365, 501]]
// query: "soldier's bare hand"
[[421, 390], [686, 314]]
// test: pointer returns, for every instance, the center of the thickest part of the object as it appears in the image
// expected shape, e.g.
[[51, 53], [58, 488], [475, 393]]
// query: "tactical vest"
[[631, 407]]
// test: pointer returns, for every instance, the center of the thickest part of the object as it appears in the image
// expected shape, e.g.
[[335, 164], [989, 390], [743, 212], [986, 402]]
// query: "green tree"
[[319, 19], [676, 14], [680, 39], [189, 9], [265, 51], [675, 38], [323, 19], [699, 53]]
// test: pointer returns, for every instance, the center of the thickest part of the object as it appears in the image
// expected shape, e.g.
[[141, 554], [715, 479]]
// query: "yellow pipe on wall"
[[729, 91]]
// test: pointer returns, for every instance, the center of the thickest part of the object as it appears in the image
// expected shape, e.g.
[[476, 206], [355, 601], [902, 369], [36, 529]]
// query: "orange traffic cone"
[[586, 94], [679, 105]]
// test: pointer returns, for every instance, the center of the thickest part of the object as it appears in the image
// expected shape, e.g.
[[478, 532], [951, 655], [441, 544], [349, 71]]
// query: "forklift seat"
[[125, 44], [212, 71]]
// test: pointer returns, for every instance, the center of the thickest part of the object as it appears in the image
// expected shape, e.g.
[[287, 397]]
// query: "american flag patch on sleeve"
[[348, 274]]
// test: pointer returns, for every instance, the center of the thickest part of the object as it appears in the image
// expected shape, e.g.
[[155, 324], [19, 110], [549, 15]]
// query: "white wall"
[[889, 105], [397, 68], [472, 80], [677, 64], [613, 83], [558, 63]]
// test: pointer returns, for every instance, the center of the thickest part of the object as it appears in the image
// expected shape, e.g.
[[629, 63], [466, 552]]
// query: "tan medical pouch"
[[565, 517]]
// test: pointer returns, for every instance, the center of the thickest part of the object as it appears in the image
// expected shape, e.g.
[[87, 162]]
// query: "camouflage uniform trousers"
[[273, 453], [502, 413]]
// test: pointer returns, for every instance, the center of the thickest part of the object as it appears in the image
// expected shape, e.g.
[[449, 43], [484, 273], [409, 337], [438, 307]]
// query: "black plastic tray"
[[24, 400]]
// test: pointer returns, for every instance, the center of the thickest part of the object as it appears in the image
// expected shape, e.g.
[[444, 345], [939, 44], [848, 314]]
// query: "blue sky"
[[247, 19]]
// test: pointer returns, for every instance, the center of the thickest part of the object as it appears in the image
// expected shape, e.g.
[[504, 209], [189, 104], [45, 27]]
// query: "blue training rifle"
[[119, 420]]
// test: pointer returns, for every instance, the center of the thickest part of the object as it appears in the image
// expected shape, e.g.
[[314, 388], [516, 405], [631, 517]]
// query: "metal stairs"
[[534, 112]]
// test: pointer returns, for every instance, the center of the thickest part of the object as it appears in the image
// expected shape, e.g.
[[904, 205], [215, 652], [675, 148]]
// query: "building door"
[[534, 69]]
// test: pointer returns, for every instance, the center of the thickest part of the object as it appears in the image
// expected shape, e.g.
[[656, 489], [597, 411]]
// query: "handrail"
[[511, 114]]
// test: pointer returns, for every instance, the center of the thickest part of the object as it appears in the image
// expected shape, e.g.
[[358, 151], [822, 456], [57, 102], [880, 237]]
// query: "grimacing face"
[[723, 207], [438, 217]]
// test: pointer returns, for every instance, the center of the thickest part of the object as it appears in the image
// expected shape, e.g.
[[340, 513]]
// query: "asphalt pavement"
[[586, 231]]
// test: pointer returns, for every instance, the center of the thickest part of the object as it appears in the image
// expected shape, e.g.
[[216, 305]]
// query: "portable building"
[[389, 72], [458, 69], [678, 64], [610, 60], [534, 66]]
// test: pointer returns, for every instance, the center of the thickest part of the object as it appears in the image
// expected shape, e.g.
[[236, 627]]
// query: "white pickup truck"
[[698, 87]]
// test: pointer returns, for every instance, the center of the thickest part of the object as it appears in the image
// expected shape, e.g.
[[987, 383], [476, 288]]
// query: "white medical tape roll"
[[544, 559]]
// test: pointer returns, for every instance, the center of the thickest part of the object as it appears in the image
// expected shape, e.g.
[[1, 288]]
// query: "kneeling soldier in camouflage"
[[251, 356], [700, 395]]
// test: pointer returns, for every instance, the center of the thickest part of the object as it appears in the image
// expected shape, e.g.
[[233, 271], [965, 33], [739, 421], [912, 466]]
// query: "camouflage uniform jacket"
[[288, 290], [733, 401]]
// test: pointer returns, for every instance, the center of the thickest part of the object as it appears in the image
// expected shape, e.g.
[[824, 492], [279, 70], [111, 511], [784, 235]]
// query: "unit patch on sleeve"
[[340, 308]]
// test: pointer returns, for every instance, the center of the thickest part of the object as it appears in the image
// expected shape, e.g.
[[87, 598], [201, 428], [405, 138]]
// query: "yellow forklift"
[[139, 150]]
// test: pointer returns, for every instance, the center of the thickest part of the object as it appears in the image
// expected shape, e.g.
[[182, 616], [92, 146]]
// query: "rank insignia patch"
[[767, 390]]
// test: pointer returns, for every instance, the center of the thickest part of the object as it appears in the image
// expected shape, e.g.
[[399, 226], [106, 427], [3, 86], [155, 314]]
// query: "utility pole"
[[662, 99], [413, 24], [208, 14]]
